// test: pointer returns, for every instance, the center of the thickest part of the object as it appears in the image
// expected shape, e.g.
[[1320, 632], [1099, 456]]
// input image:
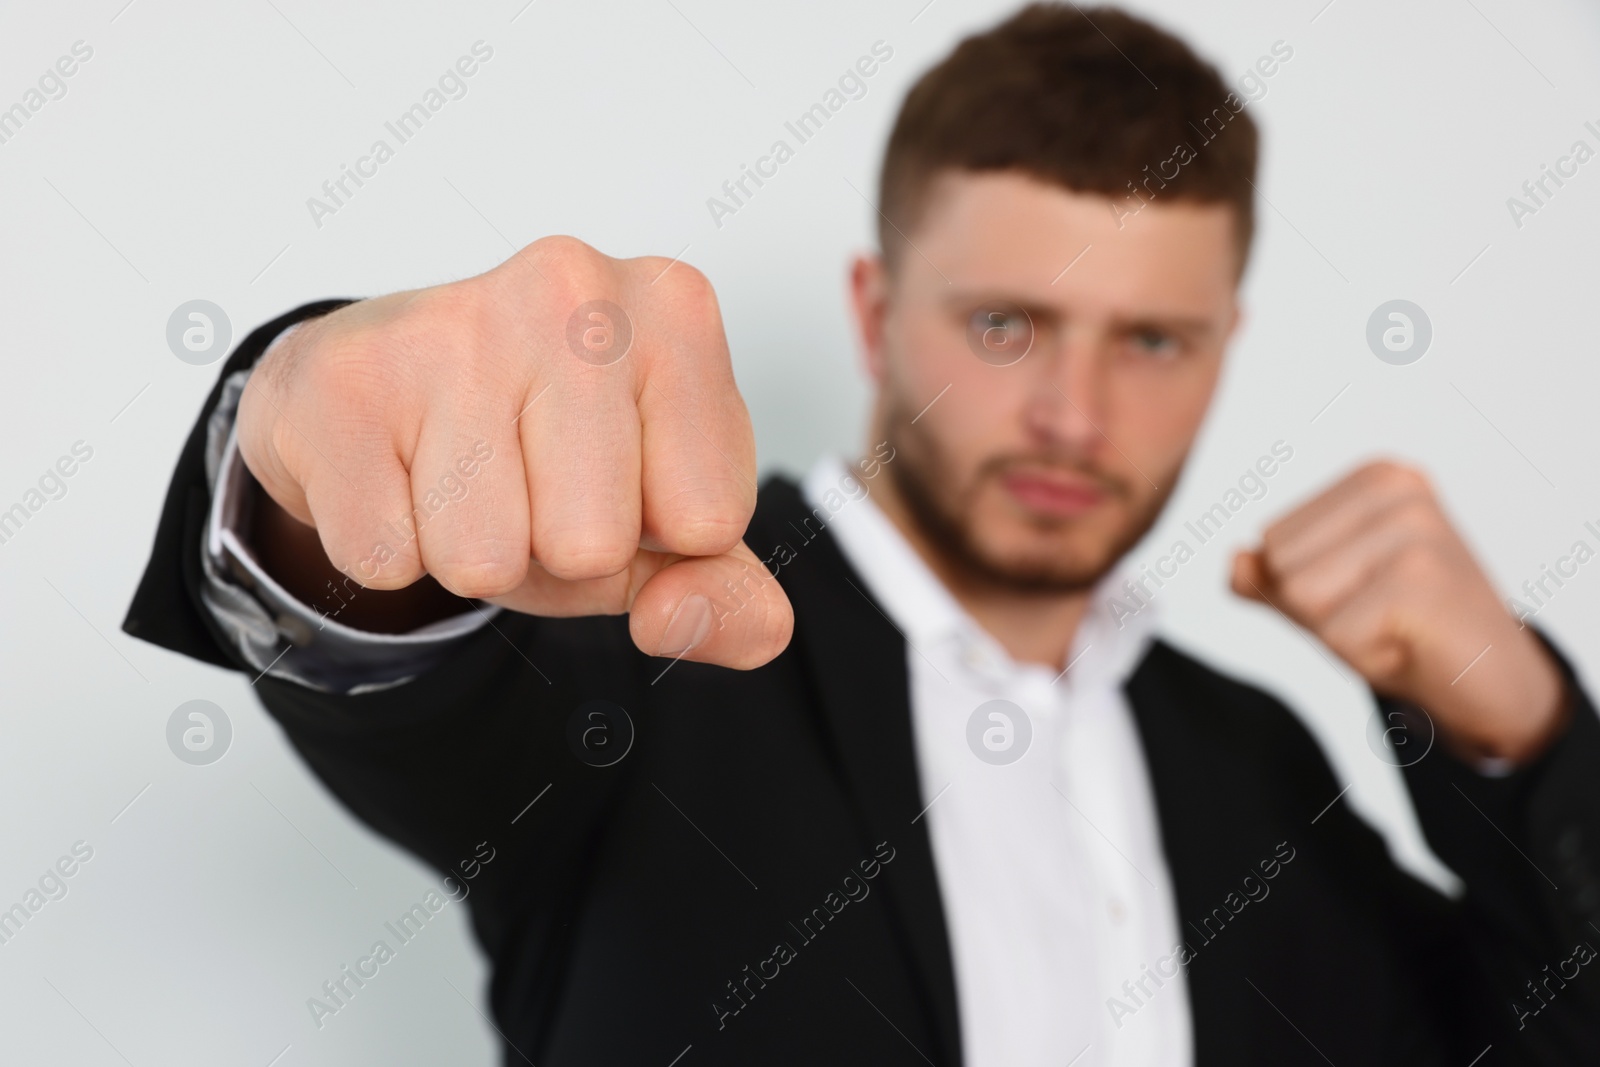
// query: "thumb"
[[728, 610]]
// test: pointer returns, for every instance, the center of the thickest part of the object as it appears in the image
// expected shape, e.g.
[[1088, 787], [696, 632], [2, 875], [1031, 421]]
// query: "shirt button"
[[1118, 913]]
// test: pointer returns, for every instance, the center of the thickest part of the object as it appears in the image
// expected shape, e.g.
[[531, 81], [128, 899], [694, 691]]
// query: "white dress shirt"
[[1055, 888], [1047, 849]]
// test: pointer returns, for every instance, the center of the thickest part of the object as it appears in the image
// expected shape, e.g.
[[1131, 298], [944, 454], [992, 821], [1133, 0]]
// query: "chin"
[[985, 537], [1023, 560]]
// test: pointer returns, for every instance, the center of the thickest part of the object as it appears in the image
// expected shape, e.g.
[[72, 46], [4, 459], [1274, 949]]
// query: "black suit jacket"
[[750, 883]]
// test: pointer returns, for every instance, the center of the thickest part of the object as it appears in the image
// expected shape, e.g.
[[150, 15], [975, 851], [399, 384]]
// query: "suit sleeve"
[[167, 609], [473, 756], [1506, 973], [1527, 847]]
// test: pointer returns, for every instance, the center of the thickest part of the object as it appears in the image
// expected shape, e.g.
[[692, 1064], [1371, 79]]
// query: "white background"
[[178, 166]]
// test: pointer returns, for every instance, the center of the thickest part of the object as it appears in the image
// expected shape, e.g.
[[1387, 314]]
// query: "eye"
[[1153, 342], [1010, 323], [999, 333]]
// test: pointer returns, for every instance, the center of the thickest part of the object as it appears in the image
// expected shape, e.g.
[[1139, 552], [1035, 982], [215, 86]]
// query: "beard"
[[947, 513]]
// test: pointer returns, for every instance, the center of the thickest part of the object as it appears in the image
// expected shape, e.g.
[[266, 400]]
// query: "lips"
[[1053, 494]]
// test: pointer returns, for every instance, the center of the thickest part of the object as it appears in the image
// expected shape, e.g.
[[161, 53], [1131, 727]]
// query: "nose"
[[1067, 400]]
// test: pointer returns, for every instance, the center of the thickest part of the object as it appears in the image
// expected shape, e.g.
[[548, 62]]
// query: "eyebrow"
[[1179, 324], [1189, 325], [966, 302]]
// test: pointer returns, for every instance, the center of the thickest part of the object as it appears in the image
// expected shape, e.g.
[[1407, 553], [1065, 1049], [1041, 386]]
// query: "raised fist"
[[562, 435]]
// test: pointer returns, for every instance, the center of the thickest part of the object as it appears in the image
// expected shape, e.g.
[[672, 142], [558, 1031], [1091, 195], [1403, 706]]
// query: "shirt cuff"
[[276, 633]]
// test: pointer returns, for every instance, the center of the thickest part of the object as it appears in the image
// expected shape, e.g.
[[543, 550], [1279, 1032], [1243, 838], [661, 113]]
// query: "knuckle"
[[705, 532], [443, 332], [389, 576], [261, 435], [1273, 541], [377, 567], [442, 308], [352, 373], [570, 270], [1306, 596], [558, 249], [1419, 516], [458, 336], [483, 570], [382, 376], [1419, 560], [1400, 477], [687, 292], [283, 455], [583, 555], [689, 283]]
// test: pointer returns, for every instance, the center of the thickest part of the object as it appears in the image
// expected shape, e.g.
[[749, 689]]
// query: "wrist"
[[1533, 710]]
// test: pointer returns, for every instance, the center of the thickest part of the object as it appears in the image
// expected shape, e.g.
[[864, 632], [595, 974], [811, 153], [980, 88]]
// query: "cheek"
[[927, 352], [934, 357], [1160, 411], [980, 416]]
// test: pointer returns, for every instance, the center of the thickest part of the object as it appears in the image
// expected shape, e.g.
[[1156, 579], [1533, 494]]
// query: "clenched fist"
[[1374, 569], [592, 399]]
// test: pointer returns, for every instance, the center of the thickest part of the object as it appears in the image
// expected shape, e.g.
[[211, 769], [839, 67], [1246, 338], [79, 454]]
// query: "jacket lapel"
[[856, 660], [1203, 829]]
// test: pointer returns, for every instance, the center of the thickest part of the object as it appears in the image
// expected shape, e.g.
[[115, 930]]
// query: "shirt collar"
[[1114, 634]]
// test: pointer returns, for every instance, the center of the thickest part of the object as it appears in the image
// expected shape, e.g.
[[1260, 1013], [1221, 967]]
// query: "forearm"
[[1523, 840]]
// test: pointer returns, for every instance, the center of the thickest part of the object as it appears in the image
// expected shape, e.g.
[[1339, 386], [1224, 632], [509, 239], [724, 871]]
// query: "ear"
[[869, 299]]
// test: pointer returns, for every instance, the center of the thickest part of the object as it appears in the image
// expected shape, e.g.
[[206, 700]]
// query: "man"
[[950, 804]]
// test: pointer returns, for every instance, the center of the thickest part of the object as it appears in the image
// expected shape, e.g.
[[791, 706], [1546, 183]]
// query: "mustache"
[[1047, 463]]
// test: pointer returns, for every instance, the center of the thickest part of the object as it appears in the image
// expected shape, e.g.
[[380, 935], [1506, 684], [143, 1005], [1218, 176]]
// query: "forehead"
[[1012, 233]]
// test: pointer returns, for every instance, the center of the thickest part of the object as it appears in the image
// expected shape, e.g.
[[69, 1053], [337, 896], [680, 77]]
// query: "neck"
[[1031, 627]]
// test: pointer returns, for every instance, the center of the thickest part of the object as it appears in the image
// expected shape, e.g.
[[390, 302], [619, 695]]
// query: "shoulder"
[[1180, 697]]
